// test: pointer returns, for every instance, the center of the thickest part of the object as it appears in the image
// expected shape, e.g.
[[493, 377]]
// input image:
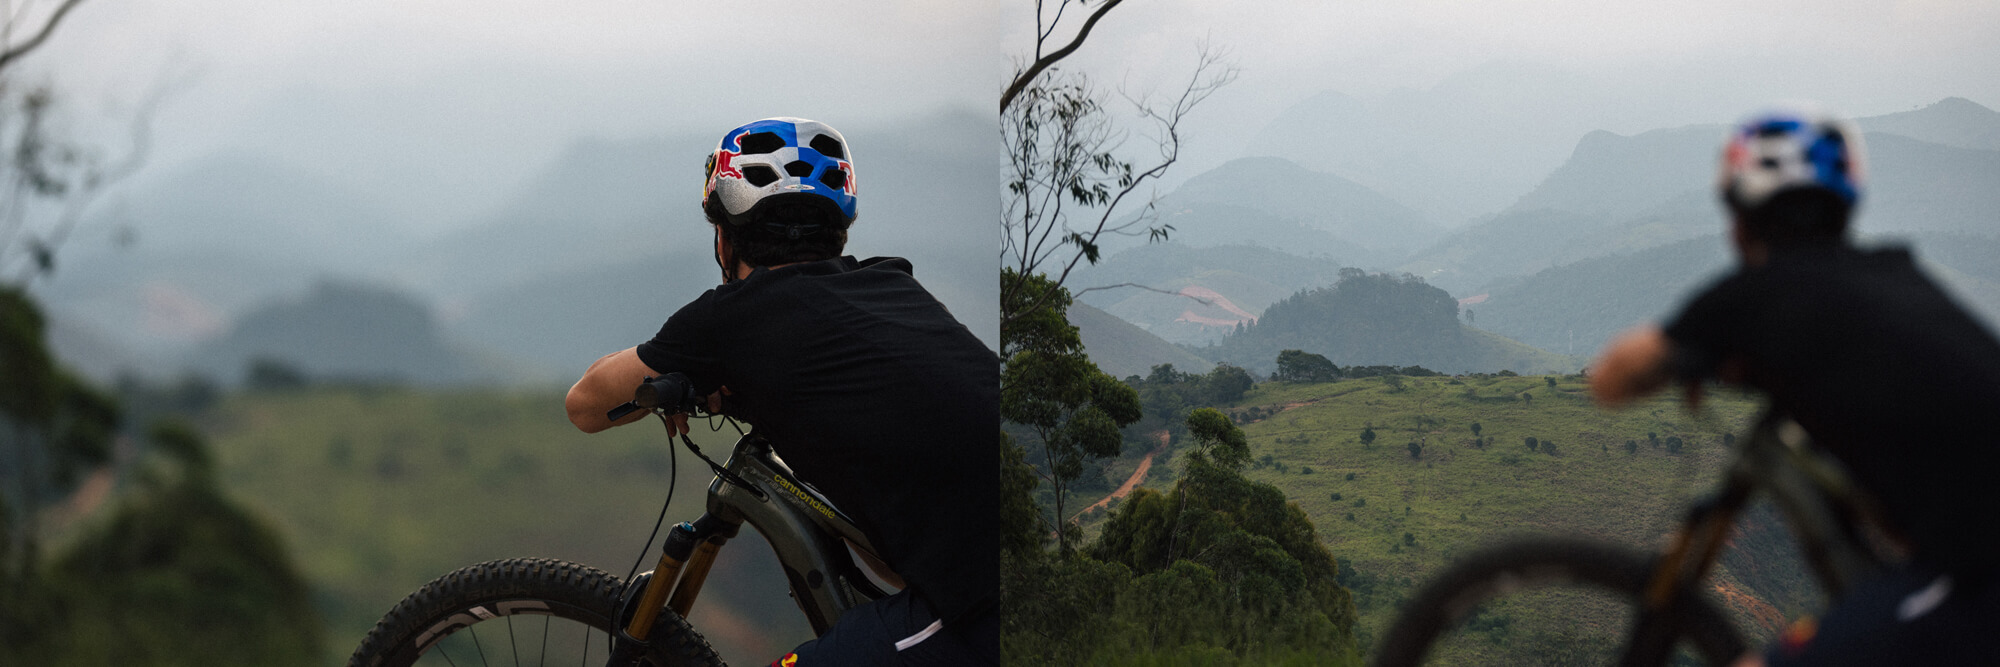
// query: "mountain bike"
[[1832, 522], [572, 612]]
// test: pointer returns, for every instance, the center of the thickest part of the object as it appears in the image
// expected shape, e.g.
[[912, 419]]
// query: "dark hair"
[[1797, 215], [782, 233]]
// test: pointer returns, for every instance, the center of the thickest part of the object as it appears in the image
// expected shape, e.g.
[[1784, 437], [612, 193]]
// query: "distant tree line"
[[1379, 318], [1302, 366], [1166, 395]]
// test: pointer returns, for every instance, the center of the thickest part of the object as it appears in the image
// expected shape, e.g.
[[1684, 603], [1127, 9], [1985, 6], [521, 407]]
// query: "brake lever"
[[623, 409]]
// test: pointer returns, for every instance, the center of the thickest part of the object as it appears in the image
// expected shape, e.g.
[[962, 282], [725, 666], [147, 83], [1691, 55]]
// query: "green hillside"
[[1378, 319], [381, 490], [1248, 278], [1121, 348], [1392, 519]]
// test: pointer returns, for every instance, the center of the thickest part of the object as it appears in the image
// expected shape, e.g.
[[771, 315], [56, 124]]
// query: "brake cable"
[[673, 477], [673, 459]]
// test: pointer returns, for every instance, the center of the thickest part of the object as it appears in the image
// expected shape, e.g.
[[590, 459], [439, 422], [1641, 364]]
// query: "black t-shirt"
[[1883, 370], [872, 392]]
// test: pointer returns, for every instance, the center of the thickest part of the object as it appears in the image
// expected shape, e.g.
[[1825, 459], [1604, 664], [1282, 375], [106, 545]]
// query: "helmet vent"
[[834, 178], [760, 175], [799, 168], [828, 146], [760, 143]]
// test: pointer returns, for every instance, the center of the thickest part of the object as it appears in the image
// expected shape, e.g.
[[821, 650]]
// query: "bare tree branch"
[[1190, 297], [1043, 62], [15, 52], [1062, 146]]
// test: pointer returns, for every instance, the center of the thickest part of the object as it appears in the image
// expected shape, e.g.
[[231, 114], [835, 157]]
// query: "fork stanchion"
[[712, 532], [679, 546]]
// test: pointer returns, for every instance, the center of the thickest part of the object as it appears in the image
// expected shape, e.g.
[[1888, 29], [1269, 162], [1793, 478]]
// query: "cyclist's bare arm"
[[1631, 366], [607, 384], [1640, 362]]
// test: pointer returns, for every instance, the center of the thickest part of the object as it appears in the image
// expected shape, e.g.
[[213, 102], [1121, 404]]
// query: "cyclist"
[[861, 380], [1878, 365]]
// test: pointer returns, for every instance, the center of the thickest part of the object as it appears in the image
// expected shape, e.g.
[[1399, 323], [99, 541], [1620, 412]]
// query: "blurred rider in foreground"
[[1878, 365], [861, 380]]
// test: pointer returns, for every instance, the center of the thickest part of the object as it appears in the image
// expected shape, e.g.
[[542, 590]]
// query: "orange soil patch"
[[1762, 612], [1138, 477], [89, 496], [1218, 300]]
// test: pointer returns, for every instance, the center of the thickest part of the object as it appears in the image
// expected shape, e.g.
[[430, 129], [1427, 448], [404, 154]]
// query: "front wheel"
[[1452, 596], [530, 611]]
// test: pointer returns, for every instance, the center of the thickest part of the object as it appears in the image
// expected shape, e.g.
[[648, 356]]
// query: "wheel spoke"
[[511, 646], [476, 645], [545, 643]]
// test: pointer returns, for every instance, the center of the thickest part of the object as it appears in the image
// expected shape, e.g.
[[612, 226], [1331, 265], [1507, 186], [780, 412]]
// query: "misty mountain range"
[[1616, 234], [589, 257]]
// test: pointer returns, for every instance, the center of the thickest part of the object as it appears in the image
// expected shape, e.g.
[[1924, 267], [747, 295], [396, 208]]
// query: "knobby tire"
[[1448, 598], [497, 591]]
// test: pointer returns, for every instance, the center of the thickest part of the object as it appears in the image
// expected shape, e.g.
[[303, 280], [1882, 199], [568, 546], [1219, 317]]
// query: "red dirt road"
[[1138, 477]]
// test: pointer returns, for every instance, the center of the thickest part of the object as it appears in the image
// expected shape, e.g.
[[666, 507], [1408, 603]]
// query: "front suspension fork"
[[685, 559]]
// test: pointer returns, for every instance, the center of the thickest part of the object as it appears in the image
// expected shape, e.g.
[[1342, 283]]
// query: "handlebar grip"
[[623, 409], [672, 391]]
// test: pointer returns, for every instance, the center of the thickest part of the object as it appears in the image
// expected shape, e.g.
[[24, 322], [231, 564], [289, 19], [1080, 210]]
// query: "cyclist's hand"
[[677, 425], [715, 400], [1630, 367]]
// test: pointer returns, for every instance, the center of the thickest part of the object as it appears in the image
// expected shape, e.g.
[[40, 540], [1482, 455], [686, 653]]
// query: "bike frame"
[[809, 535], [1824, 509]]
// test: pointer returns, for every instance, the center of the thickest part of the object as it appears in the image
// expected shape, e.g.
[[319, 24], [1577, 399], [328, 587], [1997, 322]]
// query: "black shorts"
[[900, 630], [1911, 615]]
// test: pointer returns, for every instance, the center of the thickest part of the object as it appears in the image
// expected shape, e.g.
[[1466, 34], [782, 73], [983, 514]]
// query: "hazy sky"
[[443, 102], [1676, 63], [447, 103]]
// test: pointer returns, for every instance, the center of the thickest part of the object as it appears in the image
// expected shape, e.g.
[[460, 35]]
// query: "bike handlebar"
[[672, 391]]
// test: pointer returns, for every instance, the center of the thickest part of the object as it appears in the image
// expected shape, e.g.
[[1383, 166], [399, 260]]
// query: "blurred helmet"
[[789, 176], [1791, 148]]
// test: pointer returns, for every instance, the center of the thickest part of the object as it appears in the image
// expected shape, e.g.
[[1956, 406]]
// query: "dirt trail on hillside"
[[1138, 477], [88, 496]]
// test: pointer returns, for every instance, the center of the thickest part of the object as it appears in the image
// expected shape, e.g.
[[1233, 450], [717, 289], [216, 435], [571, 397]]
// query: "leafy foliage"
[[176, 574], [1225, 561], [1050, 387]]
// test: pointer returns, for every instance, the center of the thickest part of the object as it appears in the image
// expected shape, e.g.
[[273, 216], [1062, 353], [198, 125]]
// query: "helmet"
[[1789, 148], [766, 172]]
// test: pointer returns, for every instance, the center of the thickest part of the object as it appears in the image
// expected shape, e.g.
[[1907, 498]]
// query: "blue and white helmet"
[[767, 163], [1791, 147]]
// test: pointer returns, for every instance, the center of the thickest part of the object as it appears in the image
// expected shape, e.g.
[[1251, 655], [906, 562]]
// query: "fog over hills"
[[1231, 278], [1953, 121], [1278, 203], [1617, 233], [589, 257]]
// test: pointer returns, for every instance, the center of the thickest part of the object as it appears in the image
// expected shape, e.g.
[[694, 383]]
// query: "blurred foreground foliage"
[[172, 573]]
